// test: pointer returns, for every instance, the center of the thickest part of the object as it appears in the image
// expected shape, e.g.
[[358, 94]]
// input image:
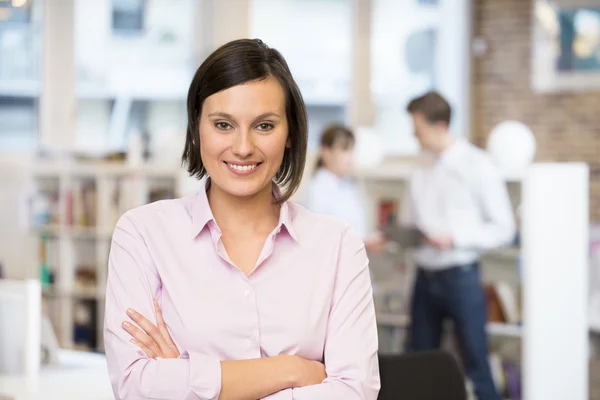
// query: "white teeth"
[[242, 167]]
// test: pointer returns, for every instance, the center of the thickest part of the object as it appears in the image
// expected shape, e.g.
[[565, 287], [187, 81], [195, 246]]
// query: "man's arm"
[[351, 344], [498, 229], [133, 282]]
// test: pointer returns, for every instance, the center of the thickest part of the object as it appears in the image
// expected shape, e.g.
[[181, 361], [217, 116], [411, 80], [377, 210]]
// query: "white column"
[[220, 21], [555, 275], [360, 107], [57, 99], [453, 63]]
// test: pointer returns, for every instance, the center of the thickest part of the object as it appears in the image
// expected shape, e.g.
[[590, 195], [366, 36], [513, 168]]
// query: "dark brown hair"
[[236, 63], [333, 136], [432, 106]]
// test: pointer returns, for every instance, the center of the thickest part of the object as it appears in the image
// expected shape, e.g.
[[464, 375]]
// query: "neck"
[[443, 144], [252, 214], [331, 171]]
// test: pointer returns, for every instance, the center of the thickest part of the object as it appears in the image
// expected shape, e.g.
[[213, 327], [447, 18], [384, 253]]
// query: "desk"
[[78, 376]]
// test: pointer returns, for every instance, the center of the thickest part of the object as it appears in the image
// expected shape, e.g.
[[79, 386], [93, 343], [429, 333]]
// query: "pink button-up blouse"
[[309, 295]]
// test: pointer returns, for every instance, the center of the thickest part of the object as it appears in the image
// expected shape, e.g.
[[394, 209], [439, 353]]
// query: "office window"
[[128, 16], [315, 38], [20, 58], [416, 47], [132, 83]]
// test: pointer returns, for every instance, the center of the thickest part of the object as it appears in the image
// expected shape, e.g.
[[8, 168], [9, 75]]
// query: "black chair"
[[430, 375]]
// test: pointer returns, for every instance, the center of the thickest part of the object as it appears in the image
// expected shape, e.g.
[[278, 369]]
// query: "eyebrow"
[[229, 116]]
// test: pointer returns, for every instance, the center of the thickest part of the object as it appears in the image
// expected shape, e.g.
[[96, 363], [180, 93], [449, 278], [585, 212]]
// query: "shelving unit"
[[73, 211]]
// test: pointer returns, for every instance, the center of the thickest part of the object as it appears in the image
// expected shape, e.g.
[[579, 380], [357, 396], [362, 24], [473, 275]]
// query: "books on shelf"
[[502, 303], [73, 212], [44, 207], [387, 212], [81, 204], [507, 377]]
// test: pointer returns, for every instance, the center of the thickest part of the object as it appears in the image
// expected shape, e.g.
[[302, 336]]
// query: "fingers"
[[141, 339], [145, 349], [162, 327], [151, 330]]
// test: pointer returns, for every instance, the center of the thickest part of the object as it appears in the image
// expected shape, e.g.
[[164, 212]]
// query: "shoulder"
[[320, 229], [157, 216], [479, 161], [322, 180]]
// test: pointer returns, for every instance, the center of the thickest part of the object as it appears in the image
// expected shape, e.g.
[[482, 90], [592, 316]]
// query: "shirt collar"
[[202, 214], [452, 152]]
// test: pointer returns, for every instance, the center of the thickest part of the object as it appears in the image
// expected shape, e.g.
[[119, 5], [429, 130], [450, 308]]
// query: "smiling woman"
[[236, 292]]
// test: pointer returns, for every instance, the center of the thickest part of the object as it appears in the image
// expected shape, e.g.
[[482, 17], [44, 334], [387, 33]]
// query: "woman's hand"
[[308, 372], [375, 243], [154, 340]]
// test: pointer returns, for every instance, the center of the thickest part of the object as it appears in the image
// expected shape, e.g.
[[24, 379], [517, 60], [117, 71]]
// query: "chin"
[[243, 188]]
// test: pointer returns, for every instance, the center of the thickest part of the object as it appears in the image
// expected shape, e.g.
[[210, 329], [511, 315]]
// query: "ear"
[[442, 125], [288, 144]]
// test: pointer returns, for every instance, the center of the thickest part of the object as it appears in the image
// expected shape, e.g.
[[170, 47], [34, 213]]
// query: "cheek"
[[274, 149], [273, 146], [211, 145]]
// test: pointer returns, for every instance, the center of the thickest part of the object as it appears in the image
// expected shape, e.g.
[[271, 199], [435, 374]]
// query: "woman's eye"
[[222, 126], [265, 126]]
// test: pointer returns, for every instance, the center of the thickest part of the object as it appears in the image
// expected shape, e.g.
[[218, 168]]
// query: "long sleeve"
[[351, 346], [498, 226], [132, 283], [340, 200]]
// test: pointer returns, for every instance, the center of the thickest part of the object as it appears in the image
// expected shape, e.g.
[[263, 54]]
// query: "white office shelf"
[[97, 170], [85, 200], [393, 320], [400, 171], [76, 232], [493, 328], [506, 330]]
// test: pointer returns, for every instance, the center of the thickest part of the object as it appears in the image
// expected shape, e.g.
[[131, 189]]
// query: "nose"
[[243, 145]]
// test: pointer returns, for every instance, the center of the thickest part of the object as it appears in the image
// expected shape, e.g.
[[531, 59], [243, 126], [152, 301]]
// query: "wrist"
[[289, 370]]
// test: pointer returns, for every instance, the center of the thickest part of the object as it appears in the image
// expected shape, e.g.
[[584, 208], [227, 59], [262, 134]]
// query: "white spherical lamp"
[[512, 146]]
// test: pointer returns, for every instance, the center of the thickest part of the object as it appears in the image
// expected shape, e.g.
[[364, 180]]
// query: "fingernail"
[[131, 311], [133, 341], [126, 324]]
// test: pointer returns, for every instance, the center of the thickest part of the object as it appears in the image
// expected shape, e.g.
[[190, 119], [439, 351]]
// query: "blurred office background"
[[92, 120]]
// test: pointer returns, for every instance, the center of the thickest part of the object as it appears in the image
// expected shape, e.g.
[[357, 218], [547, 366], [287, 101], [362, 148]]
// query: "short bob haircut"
[[236, 63]]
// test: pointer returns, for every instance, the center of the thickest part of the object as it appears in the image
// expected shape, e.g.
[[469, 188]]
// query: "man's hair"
[[432, 106]]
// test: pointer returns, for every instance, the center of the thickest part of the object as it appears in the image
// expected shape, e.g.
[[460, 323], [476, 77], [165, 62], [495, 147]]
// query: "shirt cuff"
[[205, 375]]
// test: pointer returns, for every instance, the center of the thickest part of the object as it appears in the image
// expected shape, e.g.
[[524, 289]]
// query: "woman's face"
[[339, 159], [243, 136]]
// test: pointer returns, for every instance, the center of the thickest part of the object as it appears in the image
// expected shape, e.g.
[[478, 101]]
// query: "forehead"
[[249, 99]]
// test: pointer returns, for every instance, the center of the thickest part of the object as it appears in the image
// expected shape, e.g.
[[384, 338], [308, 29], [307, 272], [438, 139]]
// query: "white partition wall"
[[20, 327], [555, 272]]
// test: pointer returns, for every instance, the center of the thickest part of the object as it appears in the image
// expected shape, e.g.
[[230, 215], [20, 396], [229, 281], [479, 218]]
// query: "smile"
[[242, 169]]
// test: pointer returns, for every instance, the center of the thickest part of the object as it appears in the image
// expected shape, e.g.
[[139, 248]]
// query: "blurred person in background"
[[235, 292], [332, 189], [460, 204]]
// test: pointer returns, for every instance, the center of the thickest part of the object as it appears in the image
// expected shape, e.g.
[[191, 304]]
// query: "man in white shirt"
[[459, 202]]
